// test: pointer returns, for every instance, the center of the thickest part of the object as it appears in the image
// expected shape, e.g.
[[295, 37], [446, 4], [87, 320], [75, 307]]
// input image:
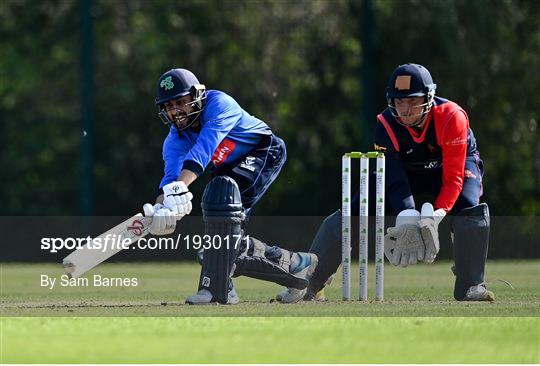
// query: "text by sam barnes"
[[95, 280]]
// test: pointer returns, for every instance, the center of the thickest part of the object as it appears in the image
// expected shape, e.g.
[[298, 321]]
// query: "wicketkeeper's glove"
[[429, 229], [403, 245]]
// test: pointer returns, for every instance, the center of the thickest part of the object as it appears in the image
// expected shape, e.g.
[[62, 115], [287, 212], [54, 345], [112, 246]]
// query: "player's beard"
[[181, 120]]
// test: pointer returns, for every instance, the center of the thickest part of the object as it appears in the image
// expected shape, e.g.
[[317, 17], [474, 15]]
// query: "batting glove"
[[177, 198], [163, 219]]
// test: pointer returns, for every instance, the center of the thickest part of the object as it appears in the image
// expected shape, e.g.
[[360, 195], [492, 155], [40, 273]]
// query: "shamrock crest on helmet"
[[167, 83], [175, 84]]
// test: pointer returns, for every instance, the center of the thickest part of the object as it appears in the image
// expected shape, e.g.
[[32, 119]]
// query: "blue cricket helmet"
[[177, 83], [408, 81], [173, 84]]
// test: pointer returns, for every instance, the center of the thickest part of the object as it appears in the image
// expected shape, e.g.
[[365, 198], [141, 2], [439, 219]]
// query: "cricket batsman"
[[209, 130], [431, 153]]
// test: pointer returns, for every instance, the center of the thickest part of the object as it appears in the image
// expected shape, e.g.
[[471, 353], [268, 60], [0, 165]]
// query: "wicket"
[[363, 218]]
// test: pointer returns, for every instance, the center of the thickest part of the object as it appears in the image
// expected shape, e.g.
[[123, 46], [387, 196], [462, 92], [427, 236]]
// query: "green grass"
[[270, 340], [421, 290], [417, 323]]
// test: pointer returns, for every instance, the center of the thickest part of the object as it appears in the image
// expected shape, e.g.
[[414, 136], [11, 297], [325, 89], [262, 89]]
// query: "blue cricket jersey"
[[227, 133]]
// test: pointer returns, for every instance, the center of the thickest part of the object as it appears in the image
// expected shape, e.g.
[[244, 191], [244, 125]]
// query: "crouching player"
[[430, 152], [208, 129]]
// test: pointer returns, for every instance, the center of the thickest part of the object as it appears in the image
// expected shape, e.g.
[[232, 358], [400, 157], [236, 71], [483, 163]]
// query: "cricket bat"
[[84, 259]]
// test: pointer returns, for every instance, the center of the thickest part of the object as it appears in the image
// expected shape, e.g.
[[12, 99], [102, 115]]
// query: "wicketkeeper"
[[209, 130], [430, 152]]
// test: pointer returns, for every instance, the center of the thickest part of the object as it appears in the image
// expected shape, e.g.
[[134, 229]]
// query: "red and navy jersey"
[[439, 149]]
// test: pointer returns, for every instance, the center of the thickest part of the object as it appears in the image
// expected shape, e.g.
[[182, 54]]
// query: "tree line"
[[310, 69]]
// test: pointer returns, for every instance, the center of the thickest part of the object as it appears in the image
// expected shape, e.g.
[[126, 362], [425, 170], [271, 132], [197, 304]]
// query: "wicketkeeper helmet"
[[408, 81]]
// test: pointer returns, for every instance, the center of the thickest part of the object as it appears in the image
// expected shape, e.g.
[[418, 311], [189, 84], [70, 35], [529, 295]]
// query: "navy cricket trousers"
[[257, 170]]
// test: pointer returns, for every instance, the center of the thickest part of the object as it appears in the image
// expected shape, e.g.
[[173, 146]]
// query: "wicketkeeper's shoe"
[[320, 296], [313, 295], [479, 293]]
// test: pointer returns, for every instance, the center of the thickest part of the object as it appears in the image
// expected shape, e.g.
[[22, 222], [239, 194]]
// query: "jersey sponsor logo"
[[457, 141], [379, 148], [167, 83], [136, 227], [223, 151], [403, 82]]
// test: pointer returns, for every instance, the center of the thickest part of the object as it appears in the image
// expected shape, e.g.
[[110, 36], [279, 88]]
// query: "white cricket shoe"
[[479, 293], [291, 295], [204, 297]]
